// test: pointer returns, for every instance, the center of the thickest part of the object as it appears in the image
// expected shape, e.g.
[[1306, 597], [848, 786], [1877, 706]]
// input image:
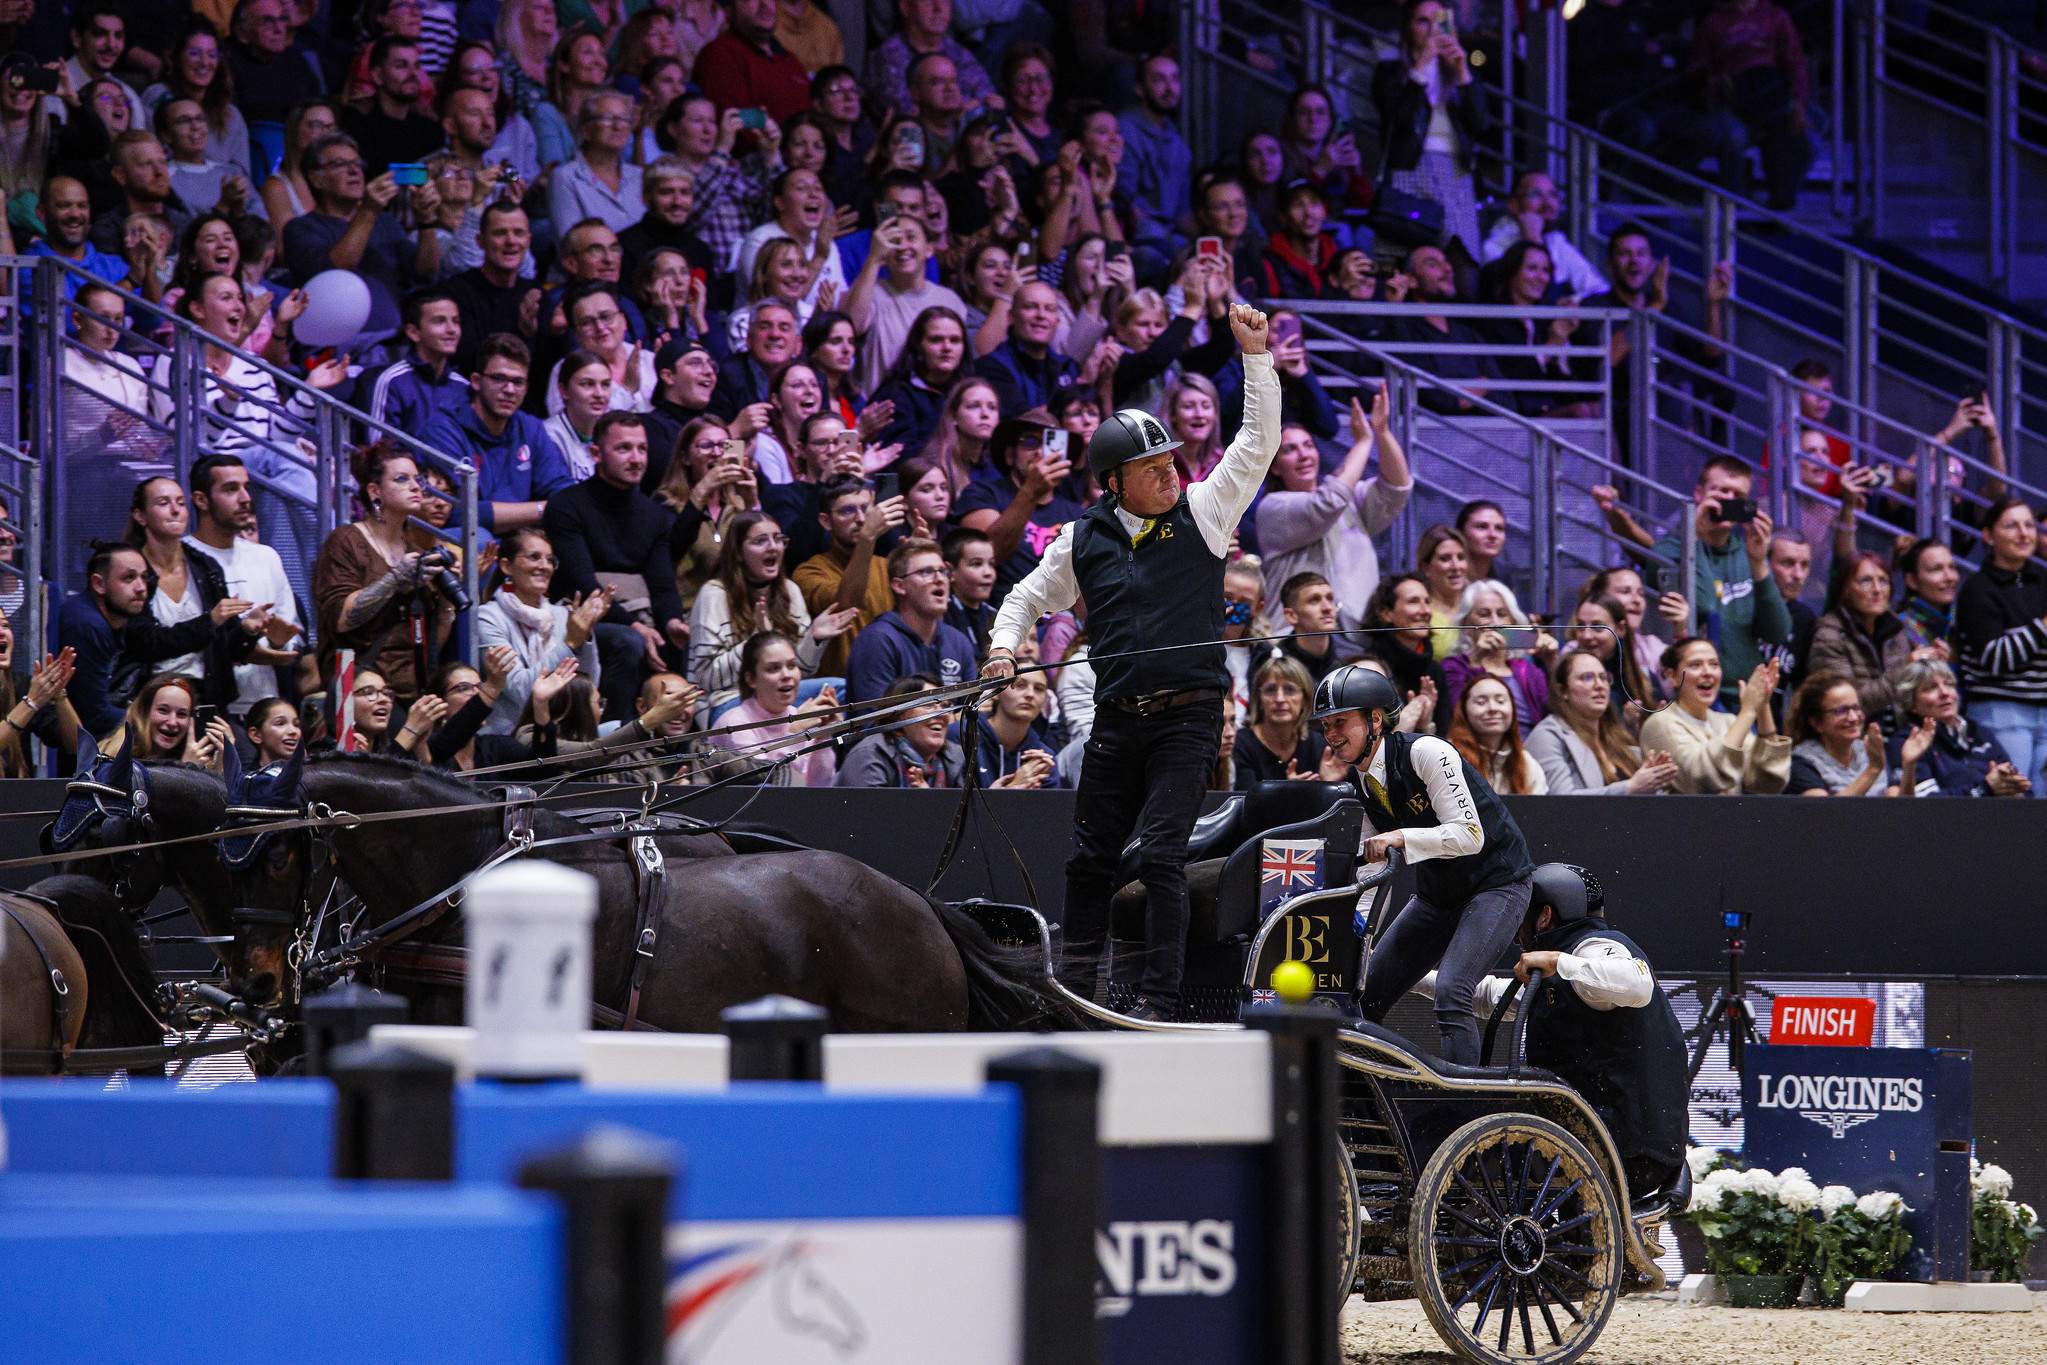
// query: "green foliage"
[[1755, 1234], [2001, 1236], [1853, 1246]]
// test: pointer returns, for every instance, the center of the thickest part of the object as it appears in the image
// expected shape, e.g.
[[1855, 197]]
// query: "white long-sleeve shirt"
[[1602, 971], [1218, 503], [1459, 832]]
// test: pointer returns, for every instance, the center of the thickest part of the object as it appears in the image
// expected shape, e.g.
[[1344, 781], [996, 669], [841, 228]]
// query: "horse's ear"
[[231, 772], [88, 757], [122, 773]]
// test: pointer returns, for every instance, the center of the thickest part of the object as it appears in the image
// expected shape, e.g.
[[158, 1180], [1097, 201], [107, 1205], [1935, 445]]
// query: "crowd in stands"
[[778, 377]]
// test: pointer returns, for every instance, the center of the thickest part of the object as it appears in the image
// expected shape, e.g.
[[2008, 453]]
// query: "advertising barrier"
[[1888, 1118]]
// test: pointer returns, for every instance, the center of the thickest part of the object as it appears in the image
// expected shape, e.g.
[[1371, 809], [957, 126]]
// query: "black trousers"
[[1142, 775], [1460, 943]]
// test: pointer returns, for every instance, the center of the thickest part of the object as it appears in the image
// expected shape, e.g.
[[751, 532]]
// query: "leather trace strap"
[[60, 992], [651, 871]]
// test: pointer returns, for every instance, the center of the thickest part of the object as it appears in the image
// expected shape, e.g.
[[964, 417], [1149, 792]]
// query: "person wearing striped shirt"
[[423, 381], [2001, 621]]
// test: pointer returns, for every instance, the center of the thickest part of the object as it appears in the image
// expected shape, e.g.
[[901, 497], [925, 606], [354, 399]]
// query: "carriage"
[[1494, 1193]]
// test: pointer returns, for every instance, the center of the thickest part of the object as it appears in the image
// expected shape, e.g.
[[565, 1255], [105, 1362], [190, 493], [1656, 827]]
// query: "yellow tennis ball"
[[1295, 981]]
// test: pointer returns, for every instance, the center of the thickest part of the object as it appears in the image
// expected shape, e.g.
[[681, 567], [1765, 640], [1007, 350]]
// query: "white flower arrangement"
[[1989, 1182], [1800, 1196], [1880, 1204], [1834, 1198]]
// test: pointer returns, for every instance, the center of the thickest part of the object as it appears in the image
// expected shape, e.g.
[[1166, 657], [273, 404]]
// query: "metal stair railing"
[[1542, 464], [174, 425], [1951, 64], [1897, 341], [22, 569]]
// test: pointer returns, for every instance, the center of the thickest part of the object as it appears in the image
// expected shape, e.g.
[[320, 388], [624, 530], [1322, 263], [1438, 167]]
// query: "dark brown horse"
[[818, 926]]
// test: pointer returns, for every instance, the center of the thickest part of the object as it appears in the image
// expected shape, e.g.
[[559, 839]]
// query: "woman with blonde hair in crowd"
[[751, 593], [782, 274], [1496, 639], [1485, 729], [1441, 562], [769, 675], [1718, 753], [1279, 743], [1581, 745], [960, 445], [701, 475], [1192, 412]]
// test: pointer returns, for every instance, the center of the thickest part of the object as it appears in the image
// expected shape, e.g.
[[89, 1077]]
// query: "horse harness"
[[60, 990], [390, 946]]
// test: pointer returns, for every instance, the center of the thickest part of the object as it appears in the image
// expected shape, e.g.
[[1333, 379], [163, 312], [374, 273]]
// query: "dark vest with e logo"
[[1166, 590], [1628, 1063], [1447, 882]]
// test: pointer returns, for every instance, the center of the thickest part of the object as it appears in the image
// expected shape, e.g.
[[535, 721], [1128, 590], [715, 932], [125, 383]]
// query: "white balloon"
[[337, 307]]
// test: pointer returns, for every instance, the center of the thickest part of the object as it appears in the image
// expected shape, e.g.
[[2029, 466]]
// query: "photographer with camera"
[[383, 587], [1735, 602]]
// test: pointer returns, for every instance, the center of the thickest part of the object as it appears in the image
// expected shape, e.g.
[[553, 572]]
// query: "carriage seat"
[[1242, 815], [1222, 892]]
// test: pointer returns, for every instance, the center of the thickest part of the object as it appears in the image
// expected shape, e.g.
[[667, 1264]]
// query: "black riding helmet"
[[1353, 687], [1130, 435], [1568, 891]]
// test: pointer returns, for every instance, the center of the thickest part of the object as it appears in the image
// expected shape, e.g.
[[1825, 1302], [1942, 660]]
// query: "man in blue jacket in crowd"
[[913, 638], [422, 383], [517, 466]]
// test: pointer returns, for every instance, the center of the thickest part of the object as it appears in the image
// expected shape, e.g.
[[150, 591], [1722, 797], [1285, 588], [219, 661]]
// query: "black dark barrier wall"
[[1838, 888]]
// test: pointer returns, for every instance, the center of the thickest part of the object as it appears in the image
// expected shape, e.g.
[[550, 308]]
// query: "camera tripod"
[[1727, 1011]]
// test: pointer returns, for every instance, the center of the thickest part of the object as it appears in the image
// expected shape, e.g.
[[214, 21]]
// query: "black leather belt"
[[1160, 702]]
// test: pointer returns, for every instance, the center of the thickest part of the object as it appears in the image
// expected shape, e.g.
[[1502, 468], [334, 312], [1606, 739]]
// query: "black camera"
[[20, 69], [445, 580]]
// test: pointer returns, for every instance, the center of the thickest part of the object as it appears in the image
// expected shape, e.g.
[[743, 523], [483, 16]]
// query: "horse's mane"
[[392, 765]]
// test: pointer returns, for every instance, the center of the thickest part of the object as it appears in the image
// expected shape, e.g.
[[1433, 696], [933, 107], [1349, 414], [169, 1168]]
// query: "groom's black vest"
[[1447, 882], [1165, 590]]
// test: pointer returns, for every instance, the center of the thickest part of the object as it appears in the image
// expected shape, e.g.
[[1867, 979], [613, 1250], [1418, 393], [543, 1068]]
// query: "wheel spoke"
[[1566, 1227], [1556, 1163], [1561, 1268], [1461, 1217], [1589, 1251], [1463, 1266], [1548, 1319], [1557, 1294], [1467, 1242], [1492, 1278], [1527, 1332], [1521, 1185], [1553, 1204], [1507, 1312], [1497, 1185], [1478, 1198]]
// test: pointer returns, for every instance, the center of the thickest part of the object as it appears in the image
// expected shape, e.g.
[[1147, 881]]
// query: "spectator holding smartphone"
[[1022, 509], [1736, 603], [1941, 753], [1718, 753], [848, 576]]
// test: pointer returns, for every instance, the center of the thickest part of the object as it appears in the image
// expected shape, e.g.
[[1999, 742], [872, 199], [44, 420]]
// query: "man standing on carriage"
[[1472, 871], [1149, 561]]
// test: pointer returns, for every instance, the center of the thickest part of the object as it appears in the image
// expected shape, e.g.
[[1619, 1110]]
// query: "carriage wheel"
[[1515, 1241], [1349, 1225]]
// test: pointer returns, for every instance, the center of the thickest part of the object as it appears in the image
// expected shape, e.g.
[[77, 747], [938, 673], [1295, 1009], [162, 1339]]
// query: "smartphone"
[[1115, 251], [755, 119], [203, 717], [887, 486], [911, 135], [1286, 328], [847, 442], [408, 172], [1209, 248], [1737, 510], [885, 212], [1664, 578], [701, 276], [735, 451], [1022, 254], [1056, 443], [998, 123]]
